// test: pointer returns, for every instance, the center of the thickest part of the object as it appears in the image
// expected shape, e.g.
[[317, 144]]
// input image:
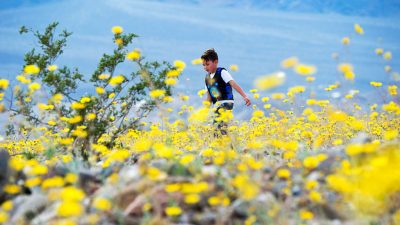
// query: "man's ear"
[[216, 61]]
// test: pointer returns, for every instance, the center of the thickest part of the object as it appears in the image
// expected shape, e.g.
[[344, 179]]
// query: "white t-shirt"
[[226, 76]]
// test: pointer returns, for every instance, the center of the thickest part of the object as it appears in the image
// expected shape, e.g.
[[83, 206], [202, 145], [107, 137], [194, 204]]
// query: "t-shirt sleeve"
[[226, 76]]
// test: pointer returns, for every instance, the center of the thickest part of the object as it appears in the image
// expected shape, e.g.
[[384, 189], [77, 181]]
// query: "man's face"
[[210, 66]]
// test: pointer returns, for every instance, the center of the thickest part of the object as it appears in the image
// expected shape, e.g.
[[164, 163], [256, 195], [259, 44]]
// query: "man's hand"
[[247, 101]]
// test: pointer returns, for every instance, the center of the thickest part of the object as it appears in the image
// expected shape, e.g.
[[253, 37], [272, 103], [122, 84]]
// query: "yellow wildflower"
[[117, 29], [157, 93], [79, 133], [375, 84], [197, 61], [23, 79], [170, 81], [277, 96], [234, 67], [306, 215], [311, 162], [75, 119], [201, 92], [52, 68], [77, 105], [173, 73], [310, 79], [270, 81], [133, 55], [104, 76], [16, 164], [305, 70], [315, 196], [192, 198], [72, 193], [174, 187], [337, 116], [311, 184], [155, 174], [66, 141], [283, 173], [179, 64], [297, 89], [3, 84], [31, 69], [102, 204], [116, 80], [387, 55], [85, 100], [71, 178], [346, 40], [7, 205], [358, 29], [45, 106], [289, 62], [55, 181], [119, 41], [265, 99], [168, 99], [57, 98], [34, 87], [69, 208], [379, 51], [349, 75], [258, 114], [38, 170], [345, 67], [90, 116], [392, 90], [187, 159], [173, 211], [11, 189], [390, 134], [3, 217]]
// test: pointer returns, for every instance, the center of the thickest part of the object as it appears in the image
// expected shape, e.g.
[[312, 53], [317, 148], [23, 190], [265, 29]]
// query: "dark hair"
[[210, 54]]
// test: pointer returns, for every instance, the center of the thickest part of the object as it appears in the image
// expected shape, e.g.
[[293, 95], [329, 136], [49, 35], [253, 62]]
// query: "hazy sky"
[[252, 34]]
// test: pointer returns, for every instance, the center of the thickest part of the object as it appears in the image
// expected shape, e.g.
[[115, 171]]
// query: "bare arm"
[[241, 92]]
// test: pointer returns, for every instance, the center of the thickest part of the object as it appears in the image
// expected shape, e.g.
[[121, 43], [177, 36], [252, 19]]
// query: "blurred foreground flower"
[[358, 29], [305, 70], [234, 67], [3, 83], [289, 62], [197, 61], [270, 81], [387, 55], [346, 40]]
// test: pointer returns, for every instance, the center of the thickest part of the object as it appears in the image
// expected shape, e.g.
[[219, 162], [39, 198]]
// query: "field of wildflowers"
[[297, 160]]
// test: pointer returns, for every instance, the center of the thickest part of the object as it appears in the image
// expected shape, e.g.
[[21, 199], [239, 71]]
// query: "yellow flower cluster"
[[291, 159]]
